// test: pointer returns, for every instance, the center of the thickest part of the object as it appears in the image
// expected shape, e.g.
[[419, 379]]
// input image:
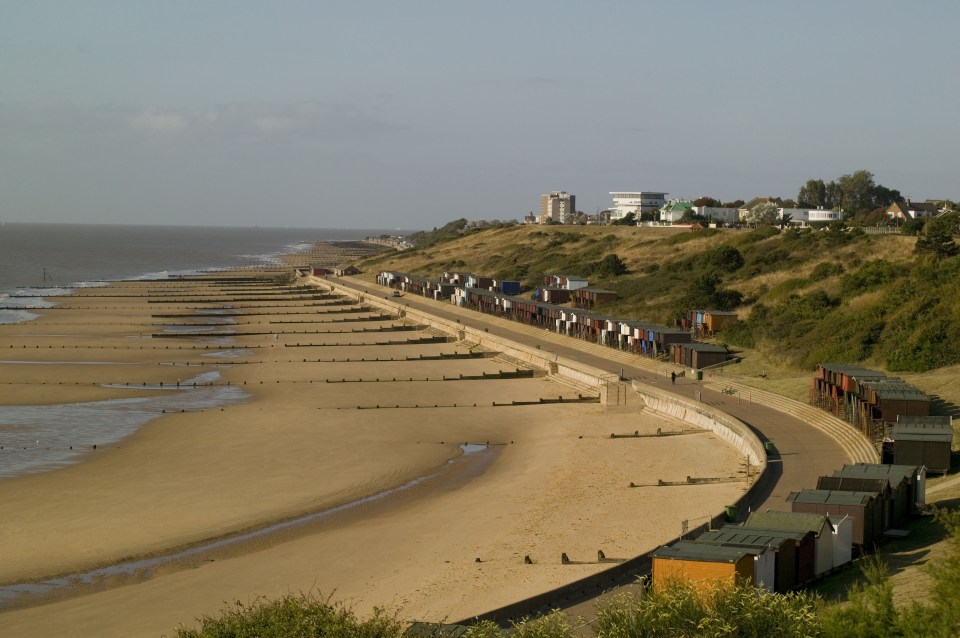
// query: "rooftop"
[[831, 497], [703, 552], [788, 521]]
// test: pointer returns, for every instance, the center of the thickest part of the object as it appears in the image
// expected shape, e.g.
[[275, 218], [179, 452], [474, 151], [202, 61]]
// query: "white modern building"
[[635, 202], [807, 216], [719, 215]]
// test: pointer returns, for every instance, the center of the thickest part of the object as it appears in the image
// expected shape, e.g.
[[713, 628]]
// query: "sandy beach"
[[307, 437]]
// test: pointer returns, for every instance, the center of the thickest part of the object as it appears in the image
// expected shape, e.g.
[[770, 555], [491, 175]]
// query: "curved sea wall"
[[732, 430]]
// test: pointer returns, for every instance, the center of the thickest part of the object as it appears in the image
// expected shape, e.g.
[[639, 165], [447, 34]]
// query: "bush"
[[870, 276], [553, 625], [825, 269], [724, 258], [292, 616], [680, 610]]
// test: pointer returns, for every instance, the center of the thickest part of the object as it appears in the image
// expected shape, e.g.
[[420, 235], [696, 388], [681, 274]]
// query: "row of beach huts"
[[894, 414], [501, 298], [847, 513], [887, 410]]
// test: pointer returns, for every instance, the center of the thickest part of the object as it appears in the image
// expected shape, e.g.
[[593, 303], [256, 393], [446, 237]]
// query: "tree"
[[937, 237], [709, 202], [856, 194], [813, 194], [690, 216], [611, 265], [764, 213], [737, 203], [627, 220]]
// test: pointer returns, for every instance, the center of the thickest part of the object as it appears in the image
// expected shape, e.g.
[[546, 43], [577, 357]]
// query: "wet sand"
[[558, 482]]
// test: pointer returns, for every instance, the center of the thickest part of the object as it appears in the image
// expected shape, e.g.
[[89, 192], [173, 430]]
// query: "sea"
[[40, 263]]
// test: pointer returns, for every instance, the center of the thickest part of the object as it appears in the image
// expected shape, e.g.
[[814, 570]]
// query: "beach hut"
[[697, 355], [865, 508], [718, 320], [704, 564], [590, 296], [815, 548], [907, 484], [842, 528], [923, 440], [783, 545], [879, 486], [554, 294], [568, 282], [508, 287], [346, 270]]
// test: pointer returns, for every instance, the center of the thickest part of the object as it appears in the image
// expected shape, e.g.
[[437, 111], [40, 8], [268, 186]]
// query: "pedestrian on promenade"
[[673, 378]]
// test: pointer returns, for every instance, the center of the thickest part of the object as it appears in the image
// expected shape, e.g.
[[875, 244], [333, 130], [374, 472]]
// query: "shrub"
[[724, 258], [870, 276], [825, 269], [680, 610], [292, 616]]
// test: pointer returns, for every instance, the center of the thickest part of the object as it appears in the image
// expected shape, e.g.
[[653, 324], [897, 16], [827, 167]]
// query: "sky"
[[408, 114]]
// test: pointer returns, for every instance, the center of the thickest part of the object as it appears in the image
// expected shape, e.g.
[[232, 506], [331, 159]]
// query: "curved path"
[[801, 452]]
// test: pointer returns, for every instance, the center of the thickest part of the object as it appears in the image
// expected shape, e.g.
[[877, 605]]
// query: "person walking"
[[673, 378]]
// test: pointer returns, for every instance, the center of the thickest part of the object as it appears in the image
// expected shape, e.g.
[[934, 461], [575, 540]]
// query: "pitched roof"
[[931, 428], [701, 552], [741, 536], [796, 535], [892, 473], [792, 521], [830, 497]]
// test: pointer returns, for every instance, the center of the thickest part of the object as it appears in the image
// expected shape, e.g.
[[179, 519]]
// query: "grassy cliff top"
[[803, 296]]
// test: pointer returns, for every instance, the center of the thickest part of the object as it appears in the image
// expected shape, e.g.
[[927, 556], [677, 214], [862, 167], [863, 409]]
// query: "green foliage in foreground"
[[293, 616], [680, 610], [676, 611]]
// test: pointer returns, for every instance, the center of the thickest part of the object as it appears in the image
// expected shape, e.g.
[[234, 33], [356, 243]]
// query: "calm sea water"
[[50, 257], [48, 260]]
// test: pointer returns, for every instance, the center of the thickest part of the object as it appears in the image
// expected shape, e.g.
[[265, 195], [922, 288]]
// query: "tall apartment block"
[[559, 206]]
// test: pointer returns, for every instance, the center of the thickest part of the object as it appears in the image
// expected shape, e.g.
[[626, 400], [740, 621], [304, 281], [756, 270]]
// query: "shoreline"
[[137, 569], [551, 492]]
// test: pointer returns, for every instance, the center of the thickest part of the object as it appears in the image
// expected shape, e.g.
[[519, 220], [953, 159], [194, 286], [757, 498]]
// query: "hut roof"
[[796, 535], [893, 388], [741, 536], [702, 552], [595, 290], [831, 497], [788, 521], [878, 470], [937, 429], [703, 347], [852, 370]]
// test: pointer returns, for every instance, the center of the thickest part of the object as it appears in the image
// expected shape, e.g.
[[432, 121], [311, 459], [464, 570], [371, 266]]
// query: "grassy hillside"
[[804, 296]]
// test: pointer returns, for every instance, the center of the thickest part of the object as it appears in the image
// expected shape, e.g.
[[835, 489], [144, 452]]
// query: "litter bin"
[[731, 513], [698, 375], [768, 446]]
